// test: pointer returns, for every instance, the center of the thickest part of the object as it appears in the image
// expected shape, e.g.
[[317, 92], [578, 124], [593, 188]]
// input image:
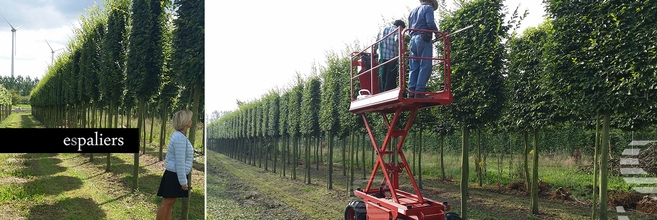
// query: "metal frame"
[[390, 101], [387, 201]]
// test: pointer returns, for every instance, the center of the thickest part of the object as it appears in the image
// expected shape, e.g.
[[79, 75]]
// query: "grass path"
[[72, 186], [314, 201]]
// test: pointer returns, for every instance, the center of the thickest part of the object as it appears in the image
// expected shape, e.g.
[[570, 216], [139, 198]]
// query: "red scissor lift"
[[388, 201]]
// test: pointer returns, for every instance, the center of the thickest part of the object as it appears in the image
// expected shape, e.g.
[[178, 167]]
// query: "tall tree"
[[531, 101], [293, 119], [189, 58], [477, 60], [599, 59], [330, 110], [310, 117]]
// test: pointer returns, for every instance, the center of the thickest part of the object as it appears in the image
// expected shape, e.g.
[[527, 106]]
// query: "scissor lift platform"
[[387, 201]]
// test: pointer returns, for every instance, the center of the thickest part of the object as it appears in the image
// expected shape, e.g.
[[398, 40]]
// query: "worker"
[[421, 46], [389, 49]]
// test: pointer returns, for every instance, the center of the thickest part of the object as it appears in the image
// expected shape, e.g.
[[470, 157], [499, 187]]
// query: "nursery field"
[[239, 190]]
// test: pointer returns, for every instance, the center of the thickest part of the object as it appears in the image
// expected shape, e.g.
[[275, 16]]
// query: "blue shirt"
[[390, 45], [422, 18], [180, 156]]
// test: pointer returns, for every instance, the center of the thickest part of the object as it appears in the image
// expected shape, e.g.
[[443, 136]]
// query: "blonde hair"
[[181, 118]]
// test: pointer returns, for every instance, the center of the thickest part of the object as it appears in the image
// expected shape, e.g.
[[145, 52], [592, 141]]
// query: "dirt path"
[[73, 186]]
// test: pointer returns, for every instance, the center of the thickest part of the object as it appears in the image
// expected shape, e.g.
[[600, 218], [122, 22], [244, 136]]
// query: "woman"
[[178, 163]]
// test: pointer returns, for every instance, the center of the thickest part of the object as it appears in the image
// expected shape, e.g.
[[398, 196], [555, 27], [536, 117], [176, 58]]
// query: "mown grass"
[[491, 201]]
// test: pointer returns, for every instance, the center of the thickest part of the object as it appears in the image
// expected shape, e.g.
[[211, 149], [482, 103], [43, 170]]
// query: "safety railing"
[[365, 67]]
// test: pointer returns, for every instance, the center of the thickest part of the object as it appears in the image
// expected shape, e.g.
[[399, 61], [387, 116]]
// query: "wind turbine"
[[13, 44], [52, 59]]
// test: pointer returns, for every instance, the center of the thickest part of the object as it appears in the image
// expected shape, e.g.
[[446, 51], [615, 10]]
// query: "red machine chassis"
[[387, 201]]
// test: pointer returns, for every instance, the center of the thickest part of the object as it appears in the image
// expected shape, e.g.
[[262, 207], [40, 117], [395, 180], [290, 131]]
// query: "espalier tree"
[[531, 101], [309, 124], [113, 58], [477, 60], [294, 113], [273, 124], [330, 111], [283, 128], [602, 56]]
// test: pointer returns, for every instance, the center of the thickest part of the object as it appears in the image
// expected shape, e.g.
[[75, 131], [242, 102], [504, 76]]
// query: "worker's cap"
[[400, 23], [434, 3]]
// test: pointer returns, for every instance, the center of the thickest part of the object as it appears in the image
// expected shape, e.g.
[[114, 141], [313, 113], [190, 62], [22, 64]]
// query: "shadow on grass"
[[27, 121], [43, 164], [70, 208], [52, 185]]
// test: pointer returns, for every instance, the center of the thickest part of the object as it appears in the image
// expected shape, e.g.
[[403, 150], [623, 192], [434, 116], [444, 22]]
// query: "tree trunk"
[[595, 167], [330, 167], [142, 117], [317, 154], [604, 156], [308, 152], [534, 201], [364, 145], [414, 151], [276, 145], [135, 174], [419, 160], [479, 162], [464, 172], [350, 187], [192, 138], [284, 153], [526, 160], [150, 139], [442, 147], [344, 156], [163, 127], [295, 160]]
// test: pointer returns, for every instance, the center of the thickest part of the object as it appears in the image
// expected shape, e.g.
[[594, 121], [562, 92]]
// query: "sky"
[[39, 20], [251, 48], [256, 47]]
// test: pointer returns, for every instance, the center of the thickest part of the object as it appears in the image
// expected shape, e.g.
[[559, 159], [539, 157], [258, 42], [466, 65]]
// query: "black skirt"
[[170, 187]]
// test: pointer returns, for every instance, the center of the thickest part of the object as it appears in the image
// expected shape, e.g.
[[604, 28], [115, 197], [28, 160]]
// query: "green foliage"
[[294, 109], [603, 54], [309, 124], [331, 93], [112, 79], [283, 111], [477, 60], [273, 114], [189, 42], [5, 96], [19, 84], [531, 102]]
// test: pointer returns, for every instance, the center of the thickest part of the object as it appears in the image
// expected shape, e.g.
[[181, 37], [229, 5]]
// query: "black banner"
[[69, 140]]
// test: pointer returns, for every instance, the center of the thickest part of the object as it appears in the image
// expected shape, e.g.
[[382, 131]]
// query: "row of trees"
[[143, 57], [23, 86], [588, 59]]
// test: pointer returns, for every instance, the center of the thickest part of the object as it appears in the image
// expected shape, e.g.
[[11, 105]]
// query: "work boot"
[[410, 96], [422, 96]]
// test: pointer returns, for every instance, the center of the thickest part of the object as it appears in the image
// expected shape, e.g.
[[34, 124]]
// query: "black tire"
[[356, 210], [452, 216]]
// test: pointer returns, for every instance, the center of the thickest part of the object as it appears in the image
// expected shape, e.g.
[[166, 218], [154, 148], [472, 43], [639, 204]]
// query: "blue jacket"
[[180, 155], [422, 18]]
